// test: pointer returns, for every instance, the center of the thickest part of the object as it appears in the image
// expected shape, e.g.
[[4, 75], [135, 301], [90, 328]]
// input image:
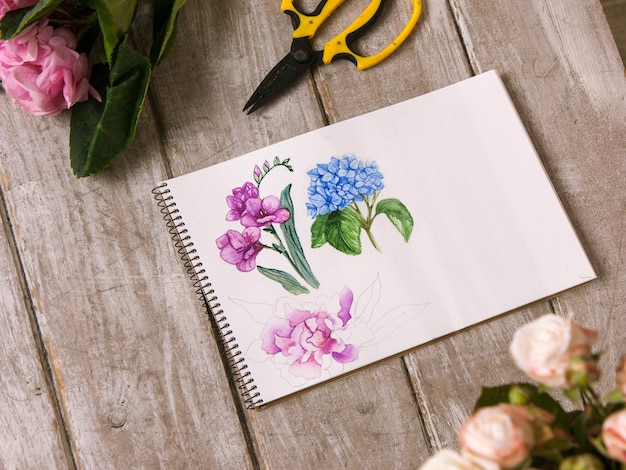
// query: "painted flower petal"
[[349, 354]]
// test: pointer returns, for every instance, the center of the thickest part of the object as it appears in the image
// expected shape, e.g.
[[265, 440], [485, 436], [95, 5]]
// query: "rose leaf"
[[164, 28], [100, 131], [14, 22]]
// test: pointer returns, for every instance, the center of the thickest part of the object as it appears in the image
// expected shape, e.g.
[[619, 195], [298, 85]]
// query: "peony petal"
[[349, 354], [345, 302], [309, 369]]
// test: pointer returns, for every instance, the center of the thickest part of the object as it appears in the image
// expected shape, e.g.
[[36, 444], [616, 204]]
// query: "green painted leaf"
[[284, 279], [164, 28], [398, 214], [100, 131], [294, 247], [318, 231], [343, 231], [14, 22]]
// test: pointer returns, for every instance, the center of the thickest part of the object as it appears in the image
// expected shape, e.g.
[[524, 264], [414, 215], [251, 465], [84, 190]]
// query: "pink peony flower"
[[306, 337], [260, 213], [614, 435], [544, 348], [240, 249], [41, 70], [10, 5], [237, 202], [498, 436]]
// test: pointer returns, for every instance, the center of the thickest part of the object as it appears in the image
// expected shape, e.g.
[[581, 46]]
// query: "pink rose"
[[500, 435], [41, 70], [614, 435], [544, 348], [306, 337], [10, 5], [449, 460]]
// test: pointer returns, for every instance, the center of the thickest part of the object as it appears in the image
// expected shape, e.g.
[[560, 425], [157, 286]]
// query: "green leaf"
[[615, 397], [14, 22], [343, 231], [114, 20], [491, 396], [294, 247], [284, 279], [164, 28], [100, 131], [318, 231], [122, 12], [398, 214]]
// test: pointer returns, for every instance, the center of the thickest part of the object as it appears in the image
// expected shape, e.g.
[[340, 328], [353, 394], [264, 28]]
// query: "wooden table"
[[107, 358]]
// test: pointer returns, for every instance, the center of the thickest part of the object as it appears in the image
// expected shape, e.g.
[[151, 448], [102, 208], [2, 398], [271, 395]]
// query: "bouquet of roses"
[[520, 426], [61, 54]]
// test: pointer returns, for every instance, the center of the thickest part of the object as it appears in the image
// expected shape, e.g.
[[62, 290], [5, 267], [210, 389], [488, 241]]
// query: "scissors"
[[302, 56]]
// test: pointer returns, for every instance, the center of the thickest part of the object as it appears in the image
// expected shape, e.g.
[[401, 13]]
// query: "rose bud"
[[582, 462], [614, 435]]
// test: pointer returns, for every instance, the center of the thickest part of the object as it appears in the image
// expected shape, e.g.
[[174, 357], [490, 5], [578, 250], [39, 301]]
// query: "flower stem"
[[281, 247], [366, 222], [591, 397]]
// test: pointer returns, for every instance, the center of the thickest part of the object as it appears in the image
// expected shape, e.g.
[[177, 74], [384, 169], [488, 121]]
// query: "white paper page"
[[488, 235]]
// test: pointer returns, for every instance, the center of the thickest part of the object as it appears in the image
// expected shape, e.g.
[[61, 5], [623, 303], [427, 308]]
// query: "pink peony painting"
[[308, 337]]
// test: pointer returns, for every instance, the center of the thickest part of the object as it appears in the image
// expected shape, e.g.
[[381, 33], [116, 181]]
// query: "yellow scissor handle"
[[339, 45], [305, 26]]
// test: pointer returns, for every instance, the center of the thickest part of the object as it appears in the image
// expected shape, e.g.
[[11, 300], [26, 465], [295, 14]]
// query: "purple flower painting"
[[262, 215], [237, 202], [240, 249], [262, 212], [308, 338]]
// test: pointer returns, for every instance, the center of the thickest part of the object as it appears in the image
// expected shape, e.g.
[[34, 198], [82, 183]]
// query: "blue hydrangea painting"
[[344, 199]]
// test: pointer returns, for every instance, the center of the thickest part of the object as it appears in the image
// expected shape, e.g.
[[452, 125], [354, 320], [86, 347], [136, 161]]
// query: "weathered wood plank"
[[137, 374], [31, 435], [565, 77]]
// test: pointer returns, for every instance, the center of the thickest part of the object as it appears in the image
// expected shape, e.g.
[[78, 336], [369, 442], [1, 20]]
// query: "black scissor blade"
[[281, 77]]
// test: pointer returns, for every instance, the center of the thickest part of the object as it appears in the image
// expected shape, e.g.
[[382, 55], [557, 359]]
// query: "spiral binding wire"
[[198, 275]]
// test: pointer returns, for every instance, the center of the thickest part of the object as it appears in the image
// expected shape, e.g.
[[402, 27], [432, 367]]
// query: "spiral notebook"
[[364, 239]]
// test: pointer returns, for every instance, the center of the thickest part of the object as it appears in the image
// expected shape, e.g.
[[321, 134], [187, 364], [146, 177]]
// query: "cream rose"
[[544, 347], [614, 435], [499, 436], [449, 460]]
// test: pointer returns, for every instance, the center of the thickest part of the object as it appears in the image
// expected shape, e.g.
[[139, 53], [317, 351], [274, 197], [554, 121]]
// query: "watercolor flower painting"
[[262, 215], [309, 338], [343, 200]]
